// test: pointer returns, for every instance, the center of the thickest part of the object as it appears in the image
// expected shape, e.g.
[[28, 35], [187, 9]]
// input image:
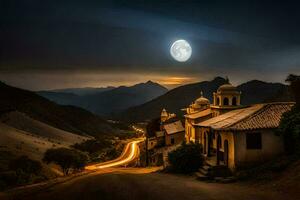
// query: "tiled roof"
[[258, 116], [174, 127], [159, 133], [199, 114]]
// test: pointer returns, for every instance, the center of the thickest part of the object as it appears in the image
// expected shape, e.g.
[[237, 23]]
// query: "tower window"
[[234, 101], [225, 101]]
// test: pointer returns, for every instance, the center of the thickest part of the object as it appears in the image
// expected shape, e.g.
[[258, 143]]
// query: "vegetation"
[[92, 146], [100, 150], [290, 129], [187, 158], [20, 171], [26, 165], [67, 159], [290, 123]]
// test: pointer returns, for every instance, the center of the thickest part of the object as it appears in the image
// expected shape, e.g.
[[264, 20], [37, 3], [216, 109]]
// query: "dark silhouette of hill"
[[83, 91], [111, 101], [173, 101], [256, 91], [252, 92], [62, 98], [68, 118]]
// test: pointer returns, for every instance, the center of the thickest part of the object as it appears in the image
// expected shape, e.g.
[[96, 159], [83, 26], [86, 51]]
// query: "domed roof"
[[227, 87], [202, 100], [164, 113]]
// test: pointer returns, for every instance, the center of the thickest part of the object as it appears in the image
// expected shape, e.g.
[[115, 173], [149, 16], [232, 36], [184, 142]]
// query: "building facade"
[[234, 135]]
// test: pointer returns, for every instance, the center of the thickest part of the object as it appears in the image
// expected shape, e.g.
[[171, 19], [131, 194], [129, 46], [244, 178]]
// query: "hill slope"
[[24, 143], [256, 91], [178, 98], [109, 101], [83, 91], [68, 118], [22, 122], [173, 101]]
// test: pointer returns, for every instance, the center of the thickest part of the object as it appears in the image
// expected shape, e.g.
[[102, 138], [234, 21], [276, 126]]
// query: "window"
[[218, 101], [253, 141], [225, 101], [172, 140]]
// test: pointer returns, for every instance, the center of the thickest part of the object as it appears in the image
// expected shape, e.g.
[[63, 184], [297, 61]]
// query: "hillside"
[[68, 118], [256, 91], [110, 101], [83, 91], [178, 98], [22, 122], [21, 142], [173, 101]]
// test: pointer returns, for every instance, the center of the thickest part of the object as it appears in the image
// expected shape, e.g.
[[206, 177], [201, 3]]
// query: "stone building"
[[233, 135], [226, 98], [244, 136], [167, 134]]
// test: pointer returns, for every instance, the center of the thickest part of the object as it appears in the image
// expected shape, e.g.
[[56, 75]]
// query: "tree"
[[294, 81], [187, 158], [289, 125], [66, 158]]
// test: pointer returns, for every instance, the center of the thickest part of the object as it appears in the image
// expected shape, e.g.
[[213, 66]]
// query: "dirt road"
[[141, 184]]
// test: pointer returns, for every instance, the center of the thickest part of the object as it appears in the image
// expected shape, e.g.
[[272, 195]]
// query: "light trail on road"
[[130, 153]]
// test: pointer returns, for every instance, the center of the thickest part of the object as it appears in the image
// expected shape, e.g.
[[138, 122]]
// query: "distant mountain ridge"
[[67, 118], [252, 92], [110, 101], [82, 91]]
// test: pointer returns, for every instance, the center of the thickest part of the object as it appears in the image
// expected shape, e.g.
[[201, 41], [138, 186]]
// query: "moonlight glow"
[[181, 50]]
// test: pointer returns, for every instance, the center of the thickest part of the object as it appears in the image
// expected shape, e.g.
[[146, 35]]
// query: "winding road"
[[130, 153], [110, 181]]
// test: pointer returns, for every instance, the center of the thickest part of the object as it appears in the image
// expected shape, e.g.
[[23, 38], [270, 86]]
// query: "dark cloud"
[[226, 37]]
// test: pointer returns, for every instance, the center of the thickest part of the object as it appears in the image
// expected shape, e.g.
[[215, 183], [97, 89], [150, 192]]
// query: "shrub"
[[26, 165], [187, 158], [92, 146], [66, 158], [289, 127]]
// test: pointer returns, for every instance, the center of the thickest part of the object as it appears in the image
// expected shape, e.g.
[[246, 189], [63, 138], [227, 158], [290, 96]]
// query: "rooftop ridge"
[[249, 115], [264, 107], [230, 117]]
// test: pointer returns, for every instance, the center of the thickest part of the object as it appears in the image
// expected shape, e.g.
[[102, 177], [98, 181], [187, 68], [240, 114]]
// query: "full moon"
[[181, 50]]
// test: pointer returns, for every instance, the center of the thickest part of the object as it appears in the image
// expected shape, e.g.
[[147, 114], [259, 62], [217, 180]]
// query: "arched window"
[[218, 101], [234, 101], [225, 101]]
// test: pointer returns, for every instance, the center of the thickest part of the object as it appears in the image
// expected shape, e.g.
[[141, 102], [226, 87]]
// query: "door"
[[204, 141], [226, 152], [219, 145]]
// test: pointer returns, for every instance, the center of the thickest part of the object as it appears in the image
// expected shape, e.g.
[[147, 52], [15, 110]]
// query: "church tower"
[[225, 99]]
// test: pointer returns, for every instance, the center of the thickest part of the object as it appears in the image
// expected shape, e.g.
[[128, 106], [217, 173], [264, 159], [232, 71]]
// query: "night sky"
[[57, 44]]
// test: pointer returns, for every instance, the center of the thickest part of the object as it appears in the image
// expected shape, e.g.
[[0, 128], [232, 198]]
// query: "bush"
[[26, 165], [187, 158], [289, 127], [93, 146], [67, 159]]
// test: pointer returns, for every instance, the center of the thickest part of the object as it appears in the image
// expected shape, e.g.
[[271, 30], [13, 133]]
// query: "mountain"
[[67, 118], [173, 101], [83, 91], [62, 98], [256, 91], [252, 92], [111, 101]]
